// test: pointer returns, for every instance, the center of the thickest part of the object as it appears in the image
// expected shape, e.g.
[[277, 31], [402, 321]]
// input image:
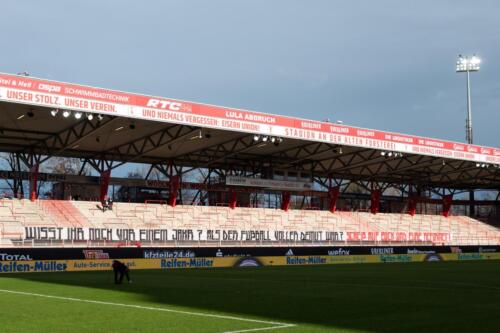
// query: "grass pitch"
[[409, 297]]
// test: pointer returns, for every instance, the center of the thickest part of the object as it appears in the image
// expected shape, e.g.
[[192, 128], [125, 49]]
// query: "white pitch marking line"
[[263, 328], [276, 325]]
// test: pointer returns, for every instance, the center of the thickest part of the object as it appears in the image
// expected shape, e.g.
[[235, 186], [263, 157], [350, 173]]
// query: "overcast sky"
[[387, 65]]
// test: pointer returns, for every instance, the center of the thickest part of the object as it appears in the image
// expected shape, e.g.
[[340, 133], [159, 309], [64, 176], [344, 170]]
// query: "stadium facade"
[[230, 179]]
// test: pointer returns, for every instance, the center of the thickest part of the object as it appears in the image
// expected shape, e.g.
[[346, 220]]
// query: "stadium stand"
[[15, 215]]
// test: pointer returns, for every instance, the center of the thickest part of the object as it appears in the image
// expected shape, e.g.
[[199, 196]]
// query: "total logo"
[[49, 87], [9, 257], [165, 104]]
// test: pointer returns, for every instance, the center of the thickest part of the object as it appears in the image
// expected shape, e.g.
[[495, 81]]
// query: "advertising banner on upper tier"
[[33, 266], [269, 183], [24, 254], [52, 94]]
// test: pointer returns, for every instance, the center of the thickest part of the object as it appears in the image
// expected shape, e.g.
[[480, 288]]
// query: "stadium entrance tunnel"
[[396, 297]]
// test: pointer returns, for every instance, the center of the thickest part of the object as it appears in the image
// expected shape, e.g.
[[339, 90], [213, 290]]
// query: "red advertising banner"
[[333, 194], [33, 182], [233, 198], [105, 177], [447, 201], [285, 200], [412, 206], [174, 188], [33, 91], [375, 201]]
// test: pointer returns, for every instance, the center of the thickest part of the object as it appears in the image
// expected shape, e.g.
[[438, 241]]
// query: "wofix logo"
[[339, 252], [95, 254], [164, 104]]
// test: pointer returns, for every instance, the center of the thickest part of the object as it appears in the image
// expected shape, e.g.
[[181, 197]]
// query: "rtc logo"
[[164, 104], [50, 88]]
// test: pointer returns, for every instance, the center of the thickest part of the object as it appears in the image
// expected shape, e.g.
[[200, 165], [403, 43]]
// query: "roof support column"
[[472, 204]]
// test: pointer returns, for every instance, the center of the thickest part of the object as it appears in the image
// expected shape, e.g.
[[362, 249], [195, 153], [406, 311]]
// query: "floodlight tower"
[[467, 65]]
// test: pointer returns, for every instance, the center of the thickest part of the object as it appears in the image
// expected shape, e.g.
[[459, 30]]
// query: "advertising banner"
[[269, 183], [52, 94], [48, 233], [32, 266], [73, 253]]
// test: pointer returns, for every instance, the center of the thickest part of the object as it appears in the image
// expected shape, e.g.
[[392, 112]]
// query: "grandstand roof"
[[147, 129]]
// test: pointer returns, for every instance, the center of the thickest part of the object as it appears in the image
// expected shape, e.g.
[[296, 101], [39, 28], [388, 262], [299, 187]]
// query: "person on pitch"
[[120, 269]]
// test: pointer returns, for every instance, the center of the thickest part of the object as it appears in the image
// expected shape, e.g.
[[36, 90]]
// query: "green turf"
[[409, 297]]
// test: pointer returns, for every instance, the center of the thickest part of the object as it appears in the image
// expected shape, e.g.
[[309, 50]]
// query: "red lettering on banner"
[[46, 99], [335, 138], [149, 113], [202, 120], [76, 103], [97, 106], [352, 140], [231, 124], [250, 127], [20, 95], [170, 116]]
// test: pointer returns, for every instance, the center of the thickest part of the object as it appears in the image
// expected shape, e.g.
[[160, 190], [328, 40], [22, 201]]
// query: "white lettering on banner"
[[401, 139], [366, 133], [50, 88], [336, 129], [250, 117], [164, 104], [97, 94], [8, 257], [310, 125]]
